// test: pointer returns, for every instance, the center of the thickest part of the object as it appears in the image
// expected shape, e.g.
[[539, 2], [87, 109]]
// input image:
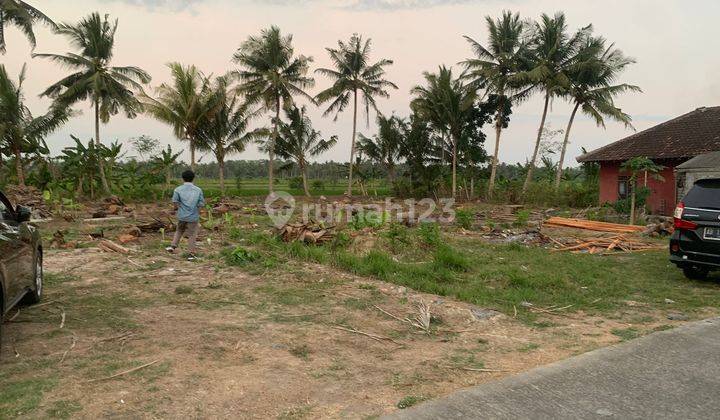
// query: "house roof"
[[706, 161], [687, 136]]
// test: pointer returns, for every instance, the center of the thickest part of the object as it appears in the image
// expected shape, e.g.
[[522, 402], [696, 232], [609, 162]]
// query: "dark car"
[[21, 270], [695, 245]]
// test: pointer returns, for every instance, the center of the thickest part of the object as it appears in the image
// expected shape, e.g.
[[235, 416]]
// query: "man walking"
[[187, 199]]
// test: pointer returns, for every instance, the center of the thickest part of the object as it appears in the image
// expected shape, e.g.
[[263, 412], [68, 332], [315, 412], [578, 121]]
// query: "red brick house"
[[669, 144]]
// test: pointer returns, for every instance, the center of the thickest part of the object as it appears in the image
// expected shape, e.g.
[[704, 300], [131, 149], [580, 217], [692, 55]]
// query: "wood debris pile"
[[156, 226], [592, 225], [310, 233], [603, 245], [111, 206], [28, 196], [110, 246]]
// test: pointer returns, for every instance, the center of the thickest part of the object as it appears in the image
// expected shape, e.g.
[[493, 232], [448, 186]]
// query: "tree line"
[[216, 114]]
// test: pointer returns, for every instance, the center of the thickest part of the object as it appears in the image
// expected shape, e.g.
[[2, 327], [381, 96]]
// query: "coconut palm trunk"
[[221, 174], [559, 172], [391, 174], [454, 165], [101, 161], [493, 168], [271, 162], [192, 153], [304, 174], [531, 167], [19, 167], [352, 144]]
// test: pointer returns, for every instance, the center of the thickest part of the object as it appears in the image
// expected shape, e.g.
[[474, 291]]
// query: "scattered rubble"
[[30, 197], [609, 244], [312, 233]]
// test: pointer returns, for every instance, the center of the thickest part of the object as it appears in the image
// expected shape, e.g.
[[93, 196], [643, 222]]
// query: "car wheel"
[[35, 294], [695, 273]]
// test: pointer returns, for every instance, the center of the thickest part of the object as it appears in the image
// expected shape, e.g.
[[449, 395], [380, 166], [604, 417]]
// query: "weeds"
[[447, 257], [464, 218], [409, 401], [429, 233], [240, 256]]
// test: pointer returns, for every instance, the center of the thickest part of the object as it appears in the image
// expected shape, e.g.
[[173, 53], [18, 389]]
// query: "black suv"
[[695, 245], [21, 269]]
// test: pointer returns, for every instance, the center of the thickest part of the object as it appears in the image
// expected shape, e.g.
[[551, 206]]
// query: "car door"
[[12, 251]]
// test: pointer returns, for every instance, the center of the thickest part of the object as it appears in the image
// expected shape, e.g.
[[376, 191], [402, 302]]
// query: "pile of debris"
[[31, 197], [310, 233], [521, 236], [512, 213], [592, 225], [659, 226], [603, 245], [111, 206]]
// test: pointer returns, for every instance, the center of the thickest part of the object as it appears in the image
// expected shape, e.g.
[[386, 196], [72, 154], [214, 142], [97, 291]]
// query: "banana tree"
[[164, 163], [635, 167]]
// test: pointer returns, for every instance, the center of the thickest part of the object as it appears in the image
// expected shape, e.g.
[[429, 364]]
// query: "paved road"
[[670, 374]]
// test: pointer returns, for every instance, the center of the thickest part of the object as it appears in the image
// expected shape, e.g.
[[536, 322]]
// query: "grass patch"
[[626, 334], [301, 351], [19, 398], [409, 401], [63, 409], [183, 290]]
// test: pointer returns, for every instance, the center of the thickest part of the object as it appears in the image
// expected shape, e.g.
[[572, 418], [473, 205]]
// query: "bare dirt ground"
[[211, 340]]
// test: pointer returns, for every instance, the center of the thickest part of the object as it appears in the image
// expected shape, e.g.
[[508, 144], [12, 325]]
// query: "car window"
[[704, 194]]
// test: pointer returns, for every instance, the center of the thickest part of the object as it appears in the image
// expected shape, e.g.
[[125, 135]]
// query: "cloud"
[[175, 5], [371, 4], [400, 4]]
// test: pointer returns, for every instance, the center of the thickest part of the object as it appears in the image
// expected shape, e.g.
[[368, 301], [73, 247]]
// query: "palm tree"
[[225, 131], [22, 15], [20, 132], [635, 167], [271, 74], [297, 140], [184, 104], [495, 67], [554, 52], [109, 88], [384, 147], [592, 90], [354, 75], [450, 101]]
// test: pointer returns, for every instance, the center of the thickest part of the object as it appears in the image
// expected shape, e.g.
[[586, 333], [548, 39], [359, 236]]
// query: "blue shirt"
[[189, 199]]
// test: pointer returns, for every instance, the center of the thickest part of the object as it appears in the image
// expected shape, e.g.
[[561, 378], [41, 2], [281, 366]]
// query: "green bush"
[[295, 183], [464, 218], [318, 185], [429, 233]]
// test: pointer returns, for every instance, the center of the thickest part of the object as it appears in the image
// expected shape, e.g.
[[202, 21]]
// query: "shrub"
[[429, 233], [295, 183], [464, 218], [318, 185], [397, 235], [523, 216]]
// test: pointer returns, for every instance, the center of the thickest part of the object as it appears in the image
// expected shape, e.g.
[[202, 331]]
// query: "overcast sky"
[[675, 44]]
